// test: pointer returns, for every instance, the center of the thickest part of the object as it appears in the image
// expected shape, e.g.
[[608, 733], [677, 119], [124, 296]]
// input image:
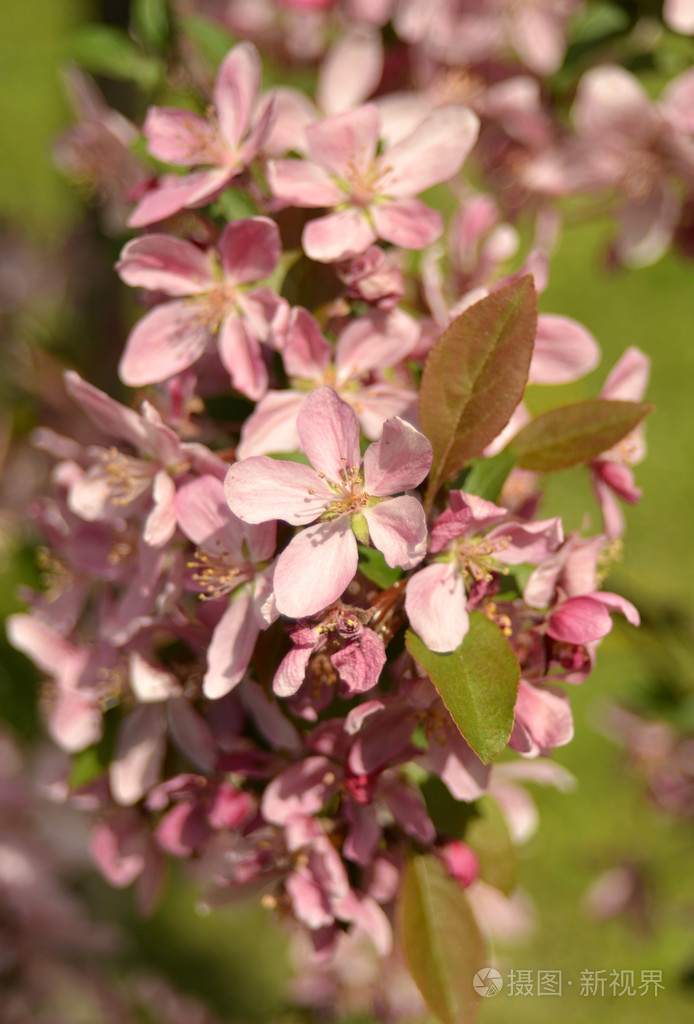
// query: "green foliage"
[[474, 377], [373, 565], [573, 434], [110, 51], [150, 23], [478, 683], [234, 205], [486, 477], [441, 940], [209, 39]]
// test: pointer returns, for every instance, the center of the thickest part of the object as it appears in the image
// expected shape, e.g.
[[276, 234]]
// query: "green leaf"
[[111, 52], [150, 22], [87, 765], [488, 835], [233, 204], [474, 377], [291, 457], [576, 433], [487, 476], [441, 941], [373, 565], [212, 41], [601, 19], [478, 683]]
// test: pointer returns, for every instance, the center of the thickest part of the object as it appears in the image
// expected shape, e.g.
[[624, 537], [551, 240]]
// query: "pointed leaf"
[[478, 683], [475, 375], [576, 433], [487, 477], [373, 565], [441, 940]]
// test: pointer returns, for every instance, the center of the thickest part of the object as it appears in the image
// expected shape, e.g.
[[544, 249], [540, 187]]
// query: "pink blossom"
[[211, 303], [436, 598], [201, 806], [356, 653], [543, 720], [74, 714], [367, 347], [232, 561], [611, 474], [116, 485], [383, 729], [372, 195], [319, 562], [471, 31], [226, 142], [566, 582], [636, 147]]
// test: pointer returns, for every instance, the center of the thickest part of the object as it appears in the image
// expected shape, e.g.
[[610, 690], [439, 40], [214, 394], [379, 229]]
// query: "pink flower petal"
[[337, 236], [301, 790], [271, 427], [329, 434], [528, 542], [205, 517], [236, 91], [545, 712], [611, 103], [306, 353], [140, 748], [346, 141], [398, 529], [191, 734], [409, 810], [580, 620], [628, 379], [398, 462], [176, 136], [315, 568], [617, 603], [434, 152], [374, 342], [359, 664], [165, 263], [290, 675], [240, 353], [231, 647], [108, 415], [74, 722], [435, 603], [564, 351], [458, 766], [166, 341], [160, 524], [250, 249], [364, 833], [299, 183], [261, 489], [407, 222], [117, 846], [339, 88], [679, 16], [174, 193]]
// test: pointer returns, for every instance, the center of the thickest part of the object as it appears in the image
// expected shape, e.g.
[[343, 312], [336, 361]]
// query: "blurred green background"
[[235, 958]]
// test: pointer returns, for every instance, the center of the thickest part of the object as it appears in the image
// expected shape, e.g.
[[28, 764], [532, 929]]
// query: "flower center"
[[350, 497], [476, 557], [363, 182], [127, 477], [216, 574]]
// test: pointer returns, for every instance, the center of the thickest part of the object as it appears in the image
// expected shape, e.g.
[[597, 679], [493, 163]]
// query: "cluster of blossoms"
[[255, 615]]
